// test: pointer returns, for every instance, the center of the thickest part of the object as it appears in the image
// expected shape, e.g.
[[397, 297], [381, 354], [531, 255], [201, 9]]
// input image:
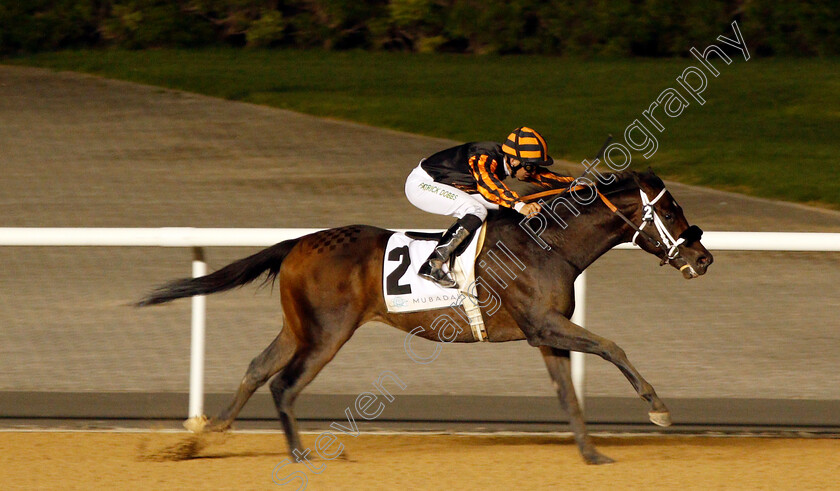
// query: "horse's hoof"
[[597, 458], [214, 426], [660, 418], [196, 424]]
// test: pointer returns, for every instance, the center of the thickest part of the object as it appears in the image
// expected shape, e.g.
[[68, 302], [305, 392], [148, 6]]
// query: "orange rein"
[[554, 192]]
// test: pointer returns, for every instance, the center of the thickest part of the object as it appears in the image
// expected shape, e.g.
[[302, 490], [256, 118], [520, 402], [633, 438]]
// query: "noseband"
[[649, 215]]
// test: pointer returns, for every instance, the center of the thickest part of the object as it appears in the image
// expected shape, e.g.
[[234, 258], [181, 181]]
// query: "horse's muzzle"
[[697, 267], [688, 272]]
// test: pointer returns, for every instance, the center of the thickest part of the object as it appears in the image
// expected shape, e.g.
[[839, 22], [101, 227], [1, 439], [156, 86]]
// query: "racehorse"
[[330, 283]]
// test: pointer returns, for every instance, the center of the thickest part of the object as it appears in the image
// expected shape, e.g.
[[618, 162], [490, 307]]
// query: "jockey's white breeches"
[[442, 199]]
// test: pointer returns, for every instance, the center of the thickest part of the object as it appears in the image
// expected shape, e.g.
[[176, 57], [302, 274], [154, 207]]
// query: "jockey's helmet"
[[527, 146]]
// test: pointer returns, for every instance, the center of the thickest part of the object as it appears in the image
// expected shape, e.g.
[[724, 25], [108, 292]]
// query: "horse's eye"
[[668, 216]]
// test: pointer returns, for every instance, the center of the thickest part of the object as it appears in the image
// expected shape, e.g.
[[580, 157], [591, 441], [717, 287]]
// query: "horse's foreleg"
[[263, 367], [566, 335], [557, 362]]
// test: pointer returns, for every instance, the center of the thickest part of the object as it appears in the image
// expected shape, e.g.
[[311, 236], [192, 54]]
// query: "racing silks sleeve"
[[483, 169]]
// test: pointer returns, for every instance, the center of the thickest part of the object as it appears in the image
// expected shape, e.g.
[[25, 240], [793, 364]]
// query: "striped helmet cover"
[[527, 145]]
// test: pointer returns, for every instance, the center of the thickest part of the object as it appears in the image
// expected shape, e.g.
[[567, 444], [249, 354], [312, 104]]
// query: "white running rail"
[[199, 238]]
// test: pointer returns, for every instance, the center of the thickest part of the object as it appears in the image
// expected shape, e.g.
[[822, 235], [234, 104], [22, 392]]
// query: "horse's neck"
[[579, 243], [591, 234]]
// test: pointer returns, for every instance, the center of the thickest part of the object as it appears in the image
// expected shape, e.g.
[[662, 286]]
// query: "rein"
[[555, 192], [649, 215]]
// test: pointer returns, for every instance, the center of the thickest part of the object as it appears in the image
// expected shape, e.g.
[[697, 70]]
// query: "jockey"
[[466, 180]]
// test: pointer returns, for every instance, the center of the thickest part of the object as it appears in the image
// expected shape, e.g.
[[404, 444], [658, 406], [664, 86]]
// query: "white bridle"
[[649, 215]]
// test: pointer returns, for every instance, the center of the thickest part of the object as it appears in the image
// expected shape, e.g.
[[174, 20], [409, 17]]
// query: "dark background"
[[576, 28]]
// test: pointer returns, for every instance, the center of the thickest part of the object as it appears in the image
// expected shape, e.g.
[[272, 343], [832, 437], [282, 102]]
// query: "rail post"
[[578, 358], [199, 302]]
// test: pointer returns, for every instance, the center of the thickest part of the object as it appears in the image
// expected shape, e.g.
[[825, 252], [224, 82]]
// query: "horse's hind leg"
[[286, 386], [263, 367], [559, 368]]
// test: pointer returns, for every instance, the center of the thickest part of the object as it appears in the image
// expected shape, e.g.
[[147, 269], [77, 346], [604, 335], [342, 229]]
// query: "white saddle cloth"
[[405, 291]]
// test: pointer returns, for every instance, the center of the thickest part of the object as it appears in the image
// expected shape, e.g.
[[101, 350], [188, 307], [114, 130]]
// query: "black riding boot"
[[432, 269]]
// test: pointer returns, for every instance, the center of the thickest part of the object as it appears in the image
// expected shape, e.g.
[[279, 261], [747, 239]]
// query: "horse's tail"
[[235, 274]]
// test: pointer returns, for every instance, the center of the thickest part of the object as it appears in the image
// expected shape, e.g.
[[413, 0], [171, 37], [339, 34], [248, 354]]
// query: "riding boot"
[[432, 269]]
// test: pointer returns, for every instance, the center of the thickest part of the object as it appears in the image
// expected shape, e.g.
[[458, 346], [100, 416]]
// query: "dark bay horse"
[[330, 283]]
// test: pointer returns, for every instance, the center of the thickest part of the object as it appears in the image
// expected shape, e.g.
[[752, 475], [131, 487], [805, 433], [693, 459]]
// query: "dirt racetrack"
[[83, 460]]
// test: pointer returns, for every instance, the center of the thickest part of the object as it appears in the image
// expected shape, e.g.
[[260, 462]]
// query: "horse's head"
[[669, 236]]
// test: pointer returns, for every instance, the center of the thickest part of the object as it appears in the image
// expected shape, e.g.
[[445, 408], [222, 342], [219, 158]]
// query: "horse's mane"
[[624, 180]]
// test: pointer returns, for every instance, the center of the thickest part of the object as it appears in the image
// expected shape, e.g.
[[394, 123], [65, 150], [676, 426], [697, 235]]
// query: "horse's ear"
[[650, 178]]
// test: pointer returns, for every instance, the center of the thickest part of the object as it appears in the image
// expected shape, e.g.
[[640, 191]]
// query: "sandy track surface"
[[370, 462]]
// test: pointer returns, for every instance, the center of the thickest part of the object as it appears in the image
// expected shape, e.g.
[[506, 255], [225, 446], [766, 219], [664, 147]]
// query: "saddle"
[[436, 236]]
